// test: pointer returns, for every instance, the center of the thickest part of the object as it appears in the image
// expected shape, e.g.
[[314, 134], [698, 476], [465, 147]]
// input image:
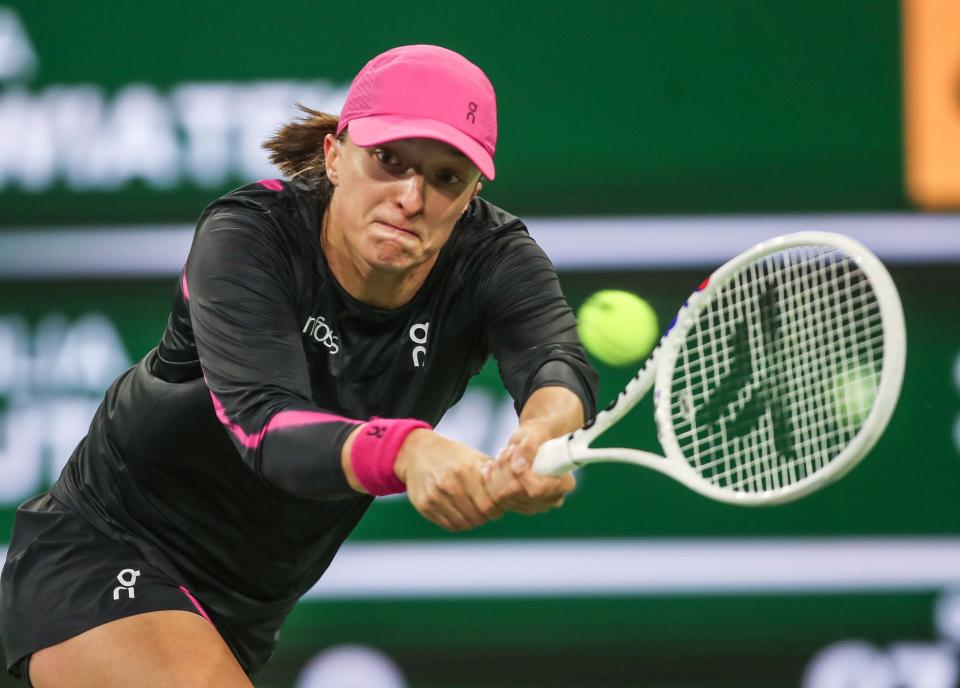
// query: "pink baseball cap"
[[424, 91]]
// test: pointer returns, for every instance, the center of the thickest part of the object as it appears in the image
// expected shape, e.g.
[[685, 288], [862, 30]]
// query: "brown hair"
[[297, 147]]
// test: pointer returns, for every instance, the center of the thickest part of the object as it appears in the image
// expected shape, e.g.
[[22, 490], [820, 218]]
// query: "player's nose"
[[410, 193]]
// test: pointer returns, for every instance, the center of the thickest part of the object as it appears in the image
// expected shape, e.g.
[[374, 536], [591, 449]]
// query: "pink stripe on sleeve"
[[283, 419], [293, 419], [183, 285]]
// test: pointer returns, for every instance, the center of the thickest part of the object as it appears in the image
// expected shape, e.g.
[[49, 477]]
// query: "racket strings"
[[812, 454], [792, 340], [747, 475]]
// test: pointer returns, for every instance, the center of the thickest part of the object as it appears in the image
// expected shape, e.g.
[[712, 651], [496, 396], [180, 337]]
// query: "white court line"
[[610, 243], [581, 243], [721, 566], [642, 567]]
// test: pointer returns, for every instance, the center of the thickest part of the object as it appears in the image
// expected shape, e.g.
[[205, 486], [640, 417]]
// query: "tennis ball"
[[854, 391], [617, 327]]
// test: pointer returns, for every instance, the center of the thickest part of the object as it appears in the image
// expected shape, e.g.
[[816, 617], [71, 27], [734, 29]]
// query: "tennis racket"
[[776, 377]]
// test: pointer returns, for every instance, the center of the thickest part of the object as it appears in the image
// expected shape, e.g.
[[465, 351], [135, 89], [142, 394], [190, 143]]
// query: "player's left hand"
[[511, 481]]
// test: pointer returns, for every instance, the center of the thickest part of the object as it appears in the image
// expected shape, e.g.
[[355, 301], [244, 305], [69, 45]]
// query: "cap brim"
[[371, 131]]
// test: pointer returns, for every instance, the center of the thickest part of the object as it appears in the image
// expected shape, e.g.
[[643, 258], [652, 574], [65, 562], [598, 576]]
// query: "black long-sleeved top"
[[217, 456]]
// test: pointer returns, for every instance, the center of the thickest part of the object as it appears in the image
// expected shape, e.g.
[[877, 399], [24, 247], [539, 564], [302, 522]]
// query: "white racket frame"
[[570, 451]]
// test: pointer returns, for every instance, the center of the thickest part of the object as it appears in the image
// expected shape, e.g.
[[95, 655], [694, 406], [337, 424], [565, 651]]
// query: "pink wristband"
[[374, 452]]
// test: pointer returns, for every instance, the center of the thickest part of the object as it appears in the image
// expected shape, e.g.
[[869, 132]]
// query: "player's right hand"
[[444, 480]]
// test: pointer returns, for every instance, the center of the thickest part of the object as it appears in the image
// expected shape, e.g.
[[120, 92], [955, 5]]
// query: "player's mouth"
[[398, 229]]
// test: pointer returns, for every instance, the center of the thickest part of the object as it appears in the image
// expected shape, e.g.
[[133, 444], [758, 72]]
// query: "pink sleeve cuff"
[[374, 452]]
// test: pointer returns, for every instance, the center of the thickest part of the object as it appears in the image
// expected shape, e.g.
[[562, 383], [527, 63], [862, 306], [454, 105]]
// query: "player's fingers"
[[545, 487], [450, 517], [508, 457], [484, 501], [462, 512], [435, 505], [526, 493], [433, 513], [500, 483], [520, 456], [523, 446], [460, 496], [528, 446], [518, 503], [452, 522], [513, 497], [537, 494], [509, 492]]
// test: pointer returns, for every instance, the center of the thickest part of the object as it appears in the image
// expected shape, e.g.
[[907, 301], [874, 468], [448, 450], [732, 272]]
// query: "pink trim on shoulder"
[[272, 184], [283, 419], [196, 604], [183, 285]]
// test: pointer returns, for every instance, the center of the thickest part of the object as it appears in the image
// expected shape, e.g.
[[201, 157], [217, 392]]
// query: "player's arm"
[[443, 478], [241, 290], [533, 335], [548, 413]]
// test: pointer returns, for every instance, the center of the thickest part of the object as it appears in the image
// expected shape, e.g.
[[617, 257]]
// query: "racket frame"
[[570, 451]]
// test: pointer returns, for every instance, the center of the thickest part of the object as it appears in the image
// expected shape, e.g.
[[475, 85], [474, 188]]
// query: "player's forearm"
[[407, 451], [347, 465], [550, 411], [374, 455], [298, 457], [556, 408]]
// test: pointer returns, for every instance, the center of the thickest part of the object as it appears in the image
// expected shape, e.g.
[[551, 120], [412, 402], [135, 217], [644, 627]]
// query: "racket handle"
[[554, 457]]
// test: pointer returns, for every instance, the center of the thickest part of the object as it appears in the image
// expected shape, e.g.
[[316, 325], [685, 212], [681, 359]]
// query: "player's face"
[[398, 202]]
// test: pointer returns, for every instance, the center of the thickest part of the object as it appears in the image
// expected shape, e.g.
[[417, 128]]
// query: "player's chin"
[[392, 256]]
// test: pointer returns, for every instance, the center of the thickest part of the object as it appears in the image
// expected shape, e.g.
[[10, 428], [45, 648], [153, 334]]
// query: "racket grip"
[[554, 458]]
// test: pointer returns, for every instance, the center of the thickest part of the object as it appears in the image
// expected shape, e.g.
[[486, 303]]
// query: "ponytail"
[[297, 148]]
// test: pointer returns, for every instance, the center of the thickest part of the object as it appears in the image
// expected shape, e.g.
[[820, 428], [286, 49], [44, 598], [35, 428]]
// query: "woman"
[[319, 328]]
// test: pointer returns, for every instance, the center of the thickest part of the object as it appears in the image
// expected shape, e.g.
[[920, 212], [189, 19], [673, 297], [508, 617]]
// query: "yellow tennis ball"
[[854, 391], [617, 327]]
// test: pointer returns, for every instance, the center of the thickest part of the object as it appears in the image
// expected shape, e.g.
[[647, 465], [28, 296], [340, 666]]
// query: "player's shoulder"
[[483, 216], [489, 235], [287, 206], [487, 228]]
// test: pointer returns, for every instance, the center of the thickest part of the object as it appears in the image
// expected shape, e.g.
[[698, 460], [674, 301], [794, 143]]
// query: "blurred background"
[[645, 143]]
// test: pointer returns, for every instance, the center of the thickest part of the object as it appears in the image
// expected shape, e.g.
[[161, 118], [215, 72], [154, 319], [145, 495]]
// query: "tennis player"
[[319, 329]]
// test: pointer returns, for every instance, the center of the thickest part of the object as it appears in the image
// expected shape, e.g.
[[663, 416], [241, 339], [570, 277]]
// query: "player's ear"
[[331, 157], [476, 190]]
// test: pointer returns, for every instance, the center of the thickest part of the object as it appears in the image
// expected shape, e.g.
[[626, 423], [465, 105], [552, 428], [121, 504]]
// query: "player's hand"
[[513, 484], [444, 481]]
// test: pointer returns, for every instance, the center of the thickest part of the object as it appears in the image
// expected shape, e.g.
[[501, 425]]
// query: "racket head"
[[763, 410]]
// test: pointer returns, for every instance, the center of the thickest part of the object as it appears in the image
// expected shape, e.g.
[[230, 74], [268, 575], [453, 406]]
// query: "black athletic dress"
[[210, 479]]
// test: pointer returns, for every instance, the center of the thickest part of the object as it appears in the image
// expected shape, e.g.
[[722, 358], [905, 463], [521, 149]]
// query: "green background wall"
[[660, 107], [605, 108]]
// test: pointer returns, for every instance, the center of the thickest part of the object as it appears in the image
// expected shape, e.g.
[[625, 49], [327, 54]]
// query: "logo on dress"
[[418, 335], [127, 578], [318, 328]]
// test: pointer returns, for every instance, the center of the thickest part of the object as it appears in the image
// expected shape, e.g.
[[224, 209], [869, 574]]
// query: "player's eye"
[[449, 177], [386, 156]]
